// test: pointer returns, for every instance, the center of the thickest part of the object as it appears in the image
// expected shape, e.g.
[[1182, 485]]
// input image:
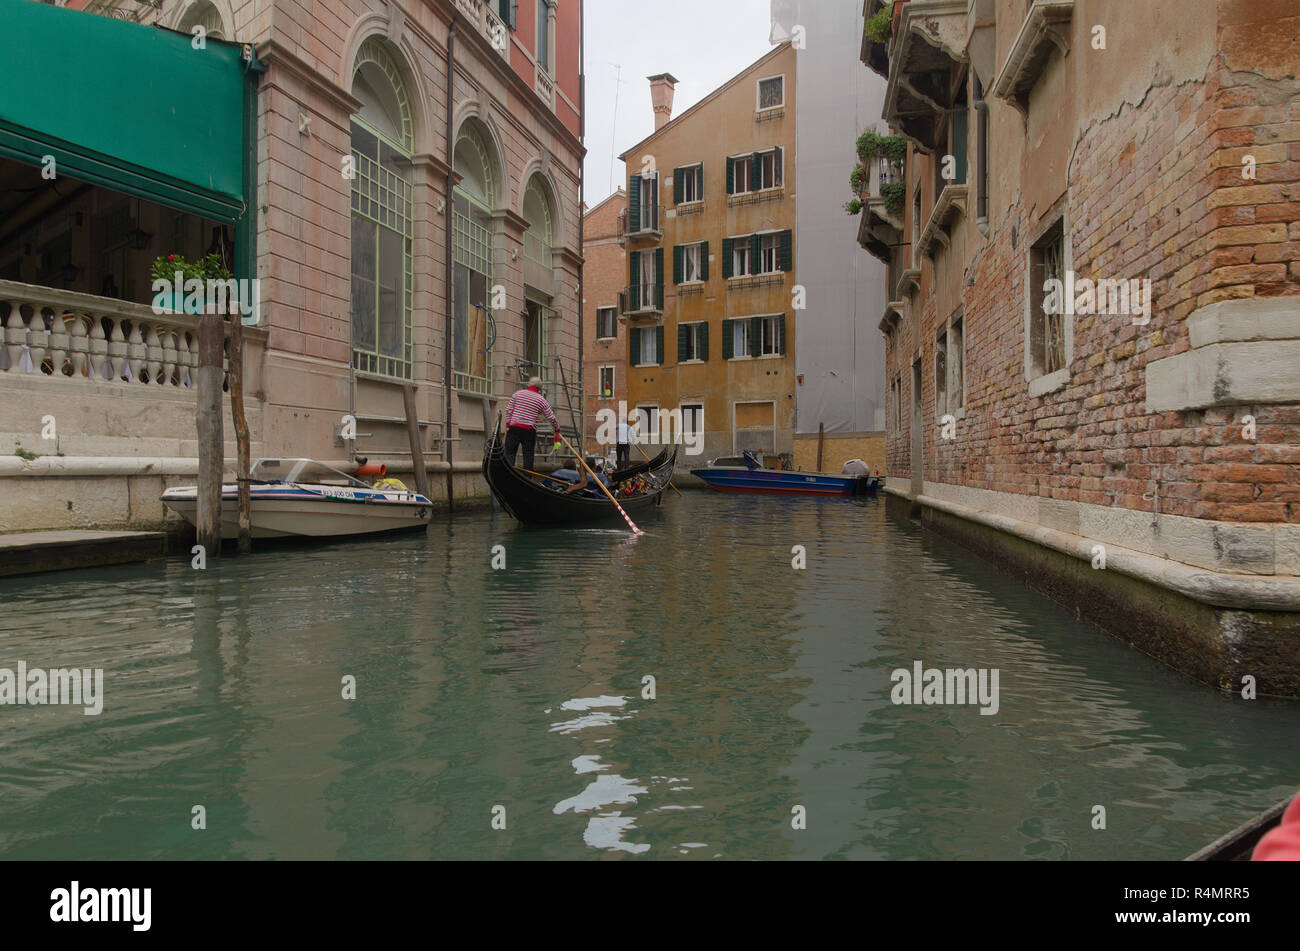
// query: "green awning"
[[130, 107]]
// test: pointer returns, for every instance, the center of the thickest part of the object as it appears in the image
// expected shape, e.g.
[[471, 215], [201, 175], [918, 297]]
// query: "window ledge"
[[686, 363], [1043, 33], [909, 278], [770, 114], [745, 281], [1049, 382], [951, 203], [754, 197]]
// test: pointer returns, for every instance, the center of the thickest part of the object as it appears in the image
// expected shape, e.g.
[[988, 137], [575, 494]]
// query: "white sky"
[[701, 42]]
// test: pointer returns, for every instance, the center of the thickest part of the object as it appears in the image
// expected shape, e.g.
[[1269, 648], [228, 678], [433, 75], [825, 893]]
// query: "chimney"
[[661, 97]]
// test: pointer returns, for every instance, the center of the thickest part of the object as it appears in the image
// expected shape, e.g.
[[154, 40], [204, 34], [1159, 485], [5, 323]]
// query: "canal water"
[[519, 697]]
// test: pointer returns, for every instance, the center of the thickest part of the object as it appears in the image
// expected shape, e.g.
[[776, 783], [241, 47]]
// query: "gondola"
[[1239, 844], [530, 500]]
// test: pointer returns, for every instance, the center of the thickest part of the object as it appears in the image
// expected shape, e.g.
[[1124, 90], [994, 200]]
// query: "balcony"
[[881, 227], [1044, 32], [56, 338], [875, 54], [648, 226], [544, 86], [643, 300], [486, 21], [929, 41]]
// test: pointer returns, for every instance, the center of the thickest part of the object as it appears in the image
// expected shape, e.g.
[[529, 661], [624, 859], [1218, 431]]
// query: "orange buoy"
[[379, 469]]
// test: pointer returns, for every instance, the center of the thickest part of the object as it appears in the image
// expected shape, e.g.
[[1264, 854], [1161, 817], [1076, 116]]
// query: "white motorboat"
[[303, 497]]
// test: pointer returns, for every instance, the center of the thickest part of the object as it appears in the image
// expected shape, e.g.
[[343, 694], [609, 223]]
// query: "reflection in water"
[[523, 689]]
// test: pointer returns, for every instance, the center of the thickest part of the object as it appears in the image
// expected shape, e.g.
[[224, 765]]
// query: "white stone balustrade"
[[53, 332]]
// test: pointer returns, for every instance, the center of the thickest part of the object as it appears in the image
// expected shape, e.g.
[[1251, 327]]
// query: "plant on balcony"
[[210, 267], [858, 179], [853, 207], [893, 193], [879, 28]]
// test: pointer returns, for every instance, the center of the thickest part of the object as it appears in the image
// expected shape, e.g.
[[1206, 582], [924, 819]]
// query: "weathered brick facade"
[[1172, 155], [604, 274]]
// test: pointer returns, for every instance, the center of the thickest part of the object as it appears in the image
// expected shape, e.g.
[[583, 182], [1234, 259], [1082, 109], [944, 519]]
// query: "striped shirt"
[[524, 408]]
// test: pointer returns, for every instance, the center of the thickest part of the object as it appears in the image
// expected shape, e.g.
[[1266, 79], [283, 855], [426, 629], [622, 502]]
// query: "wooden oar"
[[670, 481], [583, 462]]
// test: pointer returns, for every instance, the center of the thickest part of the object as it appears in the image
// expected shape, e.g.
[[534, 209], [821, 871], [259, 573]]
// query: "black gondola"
[[530, 500], [1239, 844]]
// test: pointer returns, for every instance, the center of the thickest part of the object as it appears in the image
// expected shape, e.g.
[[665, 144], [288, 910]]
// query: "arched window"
[[537, 211], [203, 14], [474, 199], [382, 141]]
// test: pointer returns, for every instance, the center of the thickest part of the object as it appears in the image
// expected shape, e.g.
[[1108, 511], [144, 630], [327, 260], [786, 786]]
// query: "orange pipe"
[[378, 469]]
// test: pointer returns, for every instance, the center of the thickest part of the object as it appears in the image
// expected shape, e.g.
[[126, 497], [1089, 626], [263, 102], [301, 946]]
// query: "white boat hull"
[[293, 512]]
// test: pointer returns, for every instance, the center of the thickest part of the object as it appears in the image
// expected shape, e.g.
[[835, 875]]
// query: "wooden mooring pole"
[[241, 431], [821, 443], [417, 448], [207, 418]]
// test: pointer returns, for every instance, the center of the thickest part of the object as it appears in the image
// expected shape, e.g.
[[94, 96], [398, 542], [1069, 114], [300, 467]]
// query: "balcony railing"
[[650, 218], [644, 299], [52, 333]]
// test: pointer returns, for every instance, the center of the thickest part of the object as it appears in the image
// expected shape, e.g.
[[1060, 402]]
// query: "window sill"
[[646, 366], [770, 114], [606, 339], [756, 196], [687, 363], [1049, 382]]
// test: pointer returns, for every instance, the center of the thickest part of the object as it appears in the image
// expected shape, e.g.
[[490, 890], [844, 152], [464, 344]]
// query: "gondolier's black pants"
[[517, 436], [623, 453]]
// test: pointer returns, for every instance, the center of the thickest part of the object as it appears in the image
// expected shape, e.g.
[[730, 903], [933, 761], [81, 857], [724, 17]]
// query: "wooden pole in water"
[[413, 434], [207, 418], [600, 485], [241, 431], [821, 443]]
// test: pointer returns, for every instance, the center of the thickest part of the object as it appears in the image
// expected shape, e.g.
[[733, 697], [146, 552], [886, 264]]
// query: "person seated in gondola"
[[576, 474]]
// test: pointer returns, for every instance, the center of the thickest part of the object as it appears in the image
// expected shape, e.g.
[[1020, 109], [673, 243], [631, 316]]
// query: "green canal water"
[[523, 689]]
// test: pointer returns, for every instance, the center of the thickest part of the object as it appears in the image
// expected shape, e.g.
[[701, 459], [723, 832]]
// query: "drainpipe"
[[981, 153], [448, 348]]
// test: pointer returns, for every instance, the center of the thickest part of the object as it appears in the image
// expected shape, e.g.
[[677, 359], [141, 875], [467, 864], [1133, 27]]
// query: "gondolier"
[[622, 442], [522, 413]]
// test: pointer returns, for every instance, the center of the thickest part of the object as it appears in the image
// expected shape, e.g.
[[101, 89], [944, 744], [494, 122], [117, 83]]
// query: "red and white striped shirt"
[[524, 408]]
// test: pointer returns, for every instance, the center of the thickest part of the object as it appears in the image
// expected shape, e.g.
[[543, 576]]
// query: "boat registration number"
[[337, 493]]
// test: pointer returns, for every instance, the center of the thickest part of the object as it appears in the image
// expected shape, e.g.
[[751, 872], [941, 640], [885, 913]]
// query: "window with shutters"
[[692, 342], [506, 10], [771, 93], [544, 35], [645, 281], [606, 383], [771, 173], [769, 253], [741, 334], [691, 267], [771, 332], [647, 354], [689, 184], [740, 256], [606, 323], [741, 167], [643, 203]]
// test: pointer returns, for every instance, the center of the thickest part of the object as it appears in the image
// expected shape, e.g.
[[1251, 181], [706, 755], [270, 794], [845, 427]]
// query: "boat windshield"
[[300, 470]]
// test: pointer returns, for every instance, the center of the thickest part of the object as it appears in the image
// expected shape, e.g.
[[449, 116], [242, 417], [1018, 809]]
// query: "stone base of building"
[[122, 493], [1216, 627]]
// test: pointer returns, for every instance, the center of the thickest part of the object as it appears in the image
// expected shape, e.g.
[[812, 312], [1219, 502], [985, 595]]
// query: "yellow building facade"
[[709, 306]]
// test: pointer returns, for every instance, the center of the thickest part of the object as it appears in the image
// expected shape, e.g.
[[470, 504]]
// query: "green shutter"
[[959, 144], [634, 204], [787, 251], [634, 281], [728, 340], [755, 172], [727, 263], [659, 345], [704, 260], [679, 179], [755, 248], [755, 336], [702, 342], [681, 342], [659, 275], [634, 347], [506, 9], [780, 335], [678, 252], [731, 176]]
